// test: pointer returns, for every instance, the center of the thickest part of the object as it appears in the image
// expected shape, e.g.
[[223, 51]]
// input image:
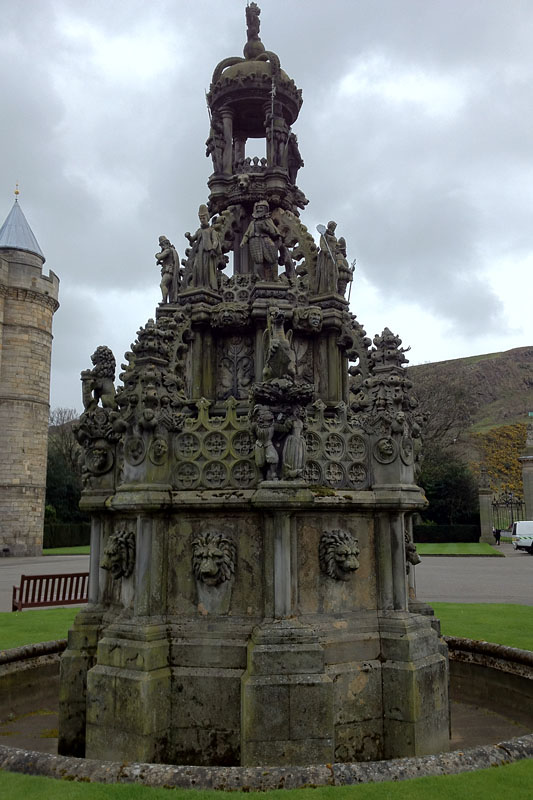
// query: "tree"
[[63, 477], [447, 405], [450, 488]]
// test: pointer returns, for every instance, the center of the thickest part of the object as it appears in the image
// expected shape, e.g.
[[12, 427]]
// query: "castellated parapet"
[[28, 300]]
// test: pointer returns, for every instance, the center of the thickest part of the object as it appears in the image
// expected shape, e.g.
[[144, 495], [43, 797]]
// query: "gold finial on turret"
[[16, 190]]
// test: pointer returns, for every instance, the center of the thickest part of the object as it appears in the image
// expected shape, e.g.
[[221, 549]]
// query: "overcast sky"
[[416, 131]]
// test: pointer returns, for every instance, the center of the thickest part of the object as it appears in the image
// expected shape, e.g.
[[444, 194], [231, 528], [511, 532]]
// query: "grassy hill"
[[479, 406], [499, 385]]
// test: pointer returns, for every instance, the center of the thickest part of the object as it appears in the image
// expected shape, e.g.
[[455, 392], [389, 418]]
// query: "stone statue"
[[214, 145], [206, 252], [263, 427], [294, 159], [264, 241], [254, 46], [168, 260], [326, 267], [280, 359], [344, 272], [294, 449], [98, 383]]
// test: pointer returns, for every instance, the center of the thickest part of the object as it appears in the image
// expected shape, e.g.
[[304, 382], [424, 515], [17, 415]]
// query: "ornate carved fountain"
[[251, 482]]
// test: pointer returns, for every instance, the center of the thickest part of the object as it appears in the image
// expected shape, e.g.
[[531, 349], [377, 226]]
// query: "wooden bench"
[[37, 591]]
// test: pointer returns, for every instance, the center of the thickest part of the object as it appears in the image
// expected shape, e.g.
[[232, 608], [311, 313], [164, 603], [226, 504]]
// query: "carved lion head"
[[119, 554], [213, 558], [337, 552]]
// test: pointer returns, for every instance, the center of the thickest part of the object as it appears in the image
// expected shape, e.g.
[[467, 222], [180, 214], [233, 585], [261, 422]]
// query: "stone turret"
[[28, 300]]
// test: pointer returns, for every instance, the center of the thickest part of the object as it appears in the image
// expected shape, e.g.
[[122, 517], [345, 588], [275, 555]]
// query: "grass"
[[457, 549], [81, 550], [513, 780], [502, 623], [34, 625]]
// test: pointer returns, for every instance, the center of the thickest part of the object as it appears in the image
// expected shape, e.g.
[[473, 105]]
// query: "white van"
[[522, 535]]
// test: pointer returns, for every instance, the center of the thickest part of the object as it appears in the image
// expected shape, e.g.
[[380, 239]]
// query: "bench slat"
[[37, 591]]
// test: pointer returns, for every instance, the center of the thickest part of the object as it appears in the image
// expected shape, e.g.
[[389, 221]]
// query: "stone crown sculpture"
[[262, 453]]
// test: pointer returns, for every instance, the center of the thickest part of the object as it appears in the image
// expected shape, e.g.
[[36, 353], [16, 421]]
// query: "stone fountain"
[[251, 483]]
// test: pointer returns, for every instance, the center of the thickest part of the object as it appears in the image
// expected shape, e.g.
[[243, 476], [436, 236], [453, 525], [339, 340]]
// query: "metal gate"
[[506, 509]]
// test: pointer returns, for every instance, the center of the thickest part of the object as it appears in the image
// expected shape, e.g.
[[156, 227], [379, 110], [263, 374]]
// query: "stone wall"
[[28, 300]]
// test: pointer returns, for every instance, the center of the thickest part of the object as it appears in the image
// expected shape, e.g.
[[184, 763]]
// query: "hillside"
[[499, 386], [478, 406]]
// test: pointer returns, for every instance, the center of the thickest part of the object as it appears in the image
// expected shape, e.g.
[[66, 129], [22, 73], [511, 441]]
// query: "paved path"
[[438, 578], [12, 568], [475, 579]]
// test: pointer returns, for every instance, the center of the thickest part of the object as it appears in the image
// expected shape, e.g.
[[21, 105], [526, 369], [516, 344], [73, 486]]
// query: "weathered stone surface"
[[251, 481]]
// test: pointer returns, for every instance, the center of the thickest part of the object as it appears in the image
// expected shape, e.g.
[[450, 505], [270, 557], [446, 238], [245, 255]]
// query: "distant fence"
[[67, 534], [446, 533]]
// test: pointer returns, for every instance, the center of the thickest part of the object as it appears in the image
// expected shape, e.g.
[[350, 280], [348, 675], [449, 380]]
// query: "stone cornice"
[[20, 293]]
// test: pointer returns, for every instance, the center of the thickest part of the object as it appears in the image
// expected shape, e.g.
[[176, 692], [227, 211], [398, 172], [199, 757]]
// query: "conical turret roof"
[[16, 234]]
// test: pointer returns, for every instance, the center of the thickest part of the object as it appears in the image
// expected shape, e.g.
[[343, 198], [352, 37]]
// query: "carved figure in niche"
[[266, 455], [411, 554], [119, 554], [214, 145], [326, 265], [280, 360], [344, 271], [308, 319], [158, 451], [263, 240], [254, 46], [295, 448], [385, 450], [99, 458], [206, 252], [97, 384], [169, 261], [213, 558], [338, 553], [294, 159]]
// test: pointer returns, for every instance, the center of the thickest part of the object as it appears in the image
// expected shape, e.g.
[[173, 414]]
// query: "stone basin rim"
[[264, 778]]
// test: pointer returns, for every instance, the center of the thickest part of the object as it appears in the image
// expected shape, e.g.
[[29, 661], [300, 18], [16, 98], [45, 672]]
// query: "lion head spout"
[[213, 557], [119, 554], [338, 552]]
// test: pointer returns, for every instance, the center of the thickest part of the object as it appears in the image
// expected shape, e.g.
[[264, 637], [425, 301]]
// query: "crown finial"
[[16, 193]]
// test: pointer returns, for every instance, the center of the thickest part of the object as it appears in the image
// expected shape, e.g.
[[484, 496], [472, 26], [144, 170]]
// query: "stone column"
[[526, 460], [485, 508], [227, 156], [128, 711], [286, 695]]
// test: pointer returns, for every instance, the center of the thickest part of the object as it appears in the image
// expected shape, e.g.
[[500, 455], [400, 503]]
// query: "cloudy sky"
[[416, 131]]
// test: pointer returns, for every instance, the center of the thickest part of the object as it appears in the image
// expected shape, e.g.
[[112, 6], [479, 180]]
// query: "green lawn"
[[81, 550], [502, 623], [34, 625], [457, 549], [513, 780]]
